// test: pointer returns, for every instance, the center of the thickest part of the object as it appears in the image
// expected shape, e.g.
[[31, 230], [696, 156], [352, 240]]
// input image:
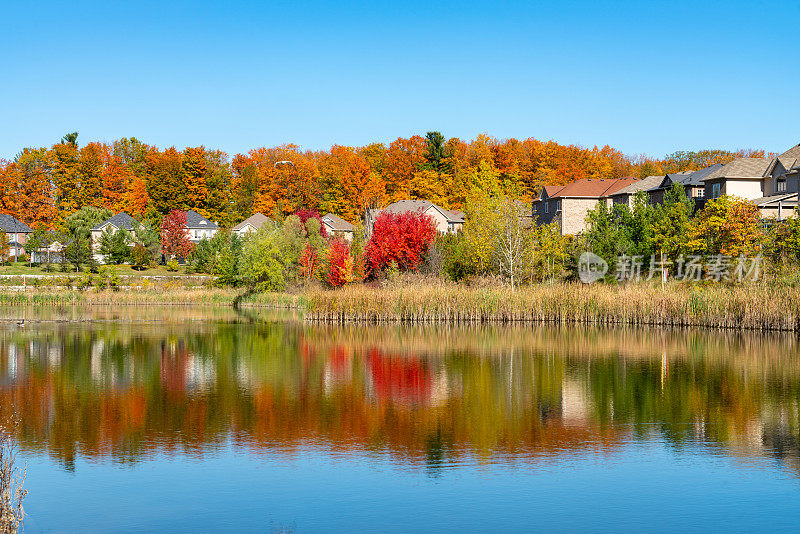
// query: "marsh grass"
[[429, 300], [12, 493], [713, 306]]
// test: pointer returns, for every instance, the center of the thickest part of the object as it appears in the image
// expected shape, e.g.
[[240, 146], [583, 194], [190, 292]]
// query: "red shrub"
[[341, 263], [402, 238], [309, 262]]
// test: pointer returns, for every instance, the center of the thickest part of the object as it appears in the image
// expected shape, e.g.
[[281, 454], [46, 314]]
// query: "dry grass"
[[12, 493], [421, 300], [714, 306]]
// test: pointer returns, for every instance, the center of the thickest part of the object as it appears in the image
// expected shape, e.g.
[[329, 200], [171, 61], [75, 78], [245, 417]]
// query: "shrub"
[[402, 238], [172, 265], [140, 257], [340, 270]]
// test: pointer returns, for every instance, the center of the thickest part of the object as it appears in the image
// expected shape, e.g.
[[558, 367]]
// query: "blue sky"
[[643, 77]]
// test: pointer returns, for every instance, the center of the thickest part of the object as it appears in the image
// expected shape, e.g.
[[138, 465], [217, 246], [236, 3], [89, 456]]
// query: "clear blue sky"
[[643, 77]]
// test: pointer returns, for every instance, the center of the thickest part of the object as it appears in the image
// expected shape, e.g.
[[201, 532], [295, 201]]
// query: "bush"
[[172, 265], [399, 238], [140, 257], [340, 264]]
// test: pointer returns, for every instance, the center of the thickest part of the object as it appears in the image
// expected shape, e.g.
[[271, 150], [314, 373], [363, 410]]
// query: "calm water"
[[188, 421]]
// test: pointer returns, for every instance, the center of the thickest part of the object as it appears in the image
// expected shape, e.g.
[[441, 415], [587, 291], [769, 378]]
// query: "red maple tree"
[[402, 238], [174, 235]]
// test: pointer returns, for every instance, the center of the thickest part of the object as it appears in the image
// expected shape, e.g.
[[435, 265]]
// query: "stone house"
[[568, 205]]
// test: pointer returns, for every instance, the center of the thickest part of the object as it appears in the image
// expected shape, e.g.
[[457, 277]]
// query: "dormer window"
[[781, 187]]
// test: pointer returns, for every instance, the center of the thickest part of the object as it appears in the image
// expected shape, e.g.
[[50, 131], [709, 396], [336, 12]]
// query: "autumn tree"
[[175, 241], [727, 225], [193, 175], [136, 199], [165, 184]]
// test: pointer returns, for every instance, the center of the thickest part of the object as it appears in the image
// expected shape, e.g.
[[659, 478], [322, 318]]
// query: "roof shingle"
[[10, 224]]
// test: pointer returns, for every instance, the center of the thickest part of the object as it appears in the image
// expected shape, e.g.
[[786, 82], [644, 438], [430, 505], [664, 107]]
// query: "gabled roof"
[[742, 168], [195, 220], [593, 188], [121, 220], [791, 154], [551, 190], [404, 206], [11, 224], [689, 178], [336, 223], [256, 221], [644, 184]]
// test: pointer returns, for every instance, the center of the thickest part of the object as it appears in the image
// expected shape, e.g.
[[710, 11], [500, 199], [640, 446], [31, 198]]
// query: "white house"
[[120, 221], [199, 227]]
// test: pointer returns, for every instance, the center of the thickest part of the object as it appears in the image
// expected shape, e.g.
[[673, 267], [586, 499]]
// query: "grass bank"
[[759, 308], [162, 295]]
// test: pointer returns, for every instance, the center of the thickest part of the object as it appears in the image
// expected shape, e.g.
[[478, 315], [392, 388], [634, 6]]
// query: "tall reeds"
[[12, 478], [714, 306]]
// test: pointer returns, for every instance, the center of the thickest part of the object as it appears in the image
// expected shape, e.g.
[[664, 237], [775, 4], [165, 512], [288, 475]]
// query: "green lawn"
[[17, 269]]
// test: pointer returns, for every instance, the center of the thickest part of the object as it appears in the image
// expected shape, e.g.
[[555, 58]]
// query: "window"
[[781, 185], [716, 189], [547, 207], [699, 192], [558, 205]]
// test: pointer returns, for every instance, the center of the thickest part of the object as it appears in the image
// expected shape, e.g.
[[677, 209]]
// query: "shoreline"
[[741, 308]]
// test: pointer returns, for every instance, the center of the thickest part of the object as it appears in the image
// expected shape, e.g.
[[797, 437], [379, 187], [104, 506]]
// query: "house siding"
[[749, 189], [573, 214]]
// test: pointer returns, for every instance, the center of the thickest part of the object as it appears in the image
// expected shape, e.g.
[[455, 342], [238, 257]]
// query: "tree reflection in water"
[[425, 396]]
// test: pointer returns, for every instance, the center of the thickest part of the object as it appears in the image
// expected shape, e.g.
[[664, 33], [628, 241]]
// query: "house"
[[784, 173], [17, 232], [692, 182], [199, 227], [626, 194], [336, 226], [569, 204], [772, 184], [120, 221], [251, 224], [742, 177], [446, 221], [53, 250]]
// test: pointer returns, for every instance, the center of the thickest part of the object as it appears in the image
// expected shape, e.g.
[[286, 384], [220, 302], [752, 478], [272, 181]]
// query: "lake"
[[188, 420]]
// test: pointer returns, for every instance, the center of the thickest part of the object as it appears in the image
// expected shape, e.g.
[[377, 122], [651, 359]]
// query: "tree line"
[[46, 185]]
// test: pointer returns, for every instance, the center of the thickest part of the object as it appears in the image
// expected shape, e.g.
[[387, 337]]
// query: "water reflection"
[[426, 397]]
